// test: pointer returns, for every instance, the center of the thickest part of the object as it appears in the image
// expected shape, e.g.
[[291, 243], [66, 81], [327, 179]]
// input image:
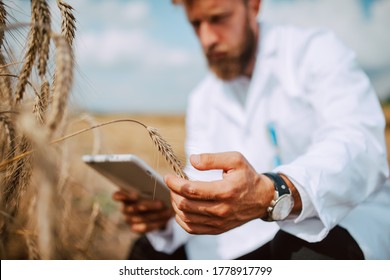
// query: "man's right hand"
[[143, 215]]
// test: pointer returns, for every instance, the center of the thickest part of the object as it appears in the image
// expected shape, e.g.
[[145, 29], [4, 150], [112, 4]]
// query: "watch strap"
[[280, 185]]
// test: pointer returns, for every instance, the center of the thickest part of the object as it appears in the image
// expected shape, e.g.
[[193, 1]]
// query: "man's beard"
[[232, 66]]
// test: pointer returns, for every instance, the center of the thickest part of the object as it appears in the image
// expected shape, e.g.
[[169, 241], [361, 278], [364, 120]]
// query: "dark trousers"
[[338, 245], [143, 250]]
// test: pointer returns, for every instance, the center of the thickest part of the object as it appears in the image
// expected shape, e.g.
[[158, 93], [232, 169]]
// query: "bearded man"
[[285, 138]]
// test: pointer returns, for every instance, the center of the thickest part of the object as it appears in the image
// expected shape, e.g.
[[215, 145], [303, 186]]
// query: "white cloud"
[[117, 46], [109, 47], [136, 11], [112, 12]]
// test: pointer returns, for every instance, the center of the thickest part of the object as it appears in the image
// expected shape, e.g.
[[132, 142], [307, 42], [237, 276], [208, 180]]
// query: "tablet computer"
[[129, 172]]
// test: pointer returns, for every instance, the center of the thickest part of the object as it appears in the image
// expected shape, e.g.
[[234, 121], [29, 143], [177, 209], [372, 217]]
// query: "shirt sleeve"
[[346, 161]]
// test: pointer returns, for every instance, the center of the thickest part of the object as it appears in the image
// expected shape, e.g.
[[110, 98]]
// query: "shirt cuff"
[[308, 209], [169, 239]]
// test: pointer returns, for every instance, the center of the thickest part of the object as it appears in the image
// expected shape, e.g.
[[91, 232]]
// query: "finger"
[[123, 196], [199, 219], [200, 207], [147, 227], [143, 206], [215, 190], [149, 217], [197, 228], [225, 161]]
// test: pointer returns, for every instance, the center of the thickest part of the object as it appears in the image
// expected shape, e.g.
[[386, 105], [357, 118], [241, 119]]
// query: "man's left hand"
[[218, 206]]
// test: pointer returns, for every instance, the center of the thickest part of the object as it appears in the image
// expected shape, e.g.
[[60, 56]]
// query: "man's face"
[[226, 31]]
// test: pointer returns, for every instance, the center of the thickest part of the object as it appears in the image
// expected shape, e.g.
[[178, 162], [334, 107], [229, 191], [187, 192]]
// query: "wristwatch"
[[283, 202]]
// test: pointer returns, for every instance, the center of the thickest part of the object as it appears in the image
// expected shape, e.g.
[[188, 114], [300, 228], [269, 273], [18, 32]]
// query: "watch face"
[[283, 207]]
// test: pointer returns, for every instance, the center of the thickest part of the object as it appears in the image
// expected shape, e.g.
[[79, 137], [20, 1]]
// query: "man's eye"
[[218, 19], [195, 24]]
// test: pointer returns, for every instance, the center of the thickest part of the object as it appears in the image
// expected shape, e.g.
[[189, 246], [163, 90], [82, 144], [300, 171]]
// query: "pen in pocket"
[[274, 141]]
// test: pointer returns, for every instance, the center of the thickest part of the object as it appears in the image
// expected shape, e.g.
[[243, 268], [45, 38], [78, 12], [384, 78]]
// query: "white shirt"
[[330, 132]]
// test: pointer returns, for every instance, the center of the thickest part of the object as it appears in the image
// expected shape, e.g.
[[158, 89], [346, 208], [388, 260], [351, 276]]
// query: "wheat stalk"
[[68, 24], [161, 144], [66, 218], [91, 229], [47, 197], [31, 243], [96, 146]]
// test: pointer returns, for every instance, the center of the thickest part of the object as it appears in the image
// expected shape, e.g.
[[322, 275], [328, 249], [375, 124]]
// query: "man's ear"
[[254, 7]]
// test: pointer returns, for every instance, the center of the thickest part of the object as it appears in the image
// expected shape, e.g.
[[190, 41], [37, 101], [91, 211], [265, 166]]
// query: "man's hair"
[[178, 2]]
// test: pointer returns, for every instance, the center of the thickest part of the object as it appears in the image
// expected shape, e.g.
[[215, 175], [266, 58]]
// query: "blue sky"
[[141, 56]]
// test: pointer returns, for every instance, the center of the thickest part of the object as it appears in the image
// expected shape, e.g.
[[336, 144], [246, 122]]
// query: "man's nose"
[[207, 35]]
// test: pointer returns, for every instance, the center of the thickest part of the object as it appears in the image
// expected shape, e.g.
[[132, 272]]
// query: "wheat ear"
[[5, 83], [42, 102], [10, 133], [63, 82], [17, 179], [27, 81], [68, 23], [34, 40], [166, 150], [44, 25], [6, 93], [3, 20]]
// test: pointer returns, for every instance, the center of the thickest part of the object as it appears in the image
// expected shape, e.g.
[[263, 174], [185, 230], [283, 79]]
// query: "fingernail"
[[195, 159]]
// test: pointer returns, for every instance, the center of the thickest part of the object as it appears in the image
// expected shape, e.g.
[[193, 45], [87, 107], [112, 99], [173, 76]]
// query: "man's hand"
[[216, 207], [143, 215]]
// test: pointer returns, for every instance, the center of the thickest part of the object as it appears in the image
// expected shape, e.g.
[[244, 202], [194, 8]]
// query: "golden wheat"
[[34, 40], [44, 25], [17, 139], [37, 192], [166, 150], [68, 24], [3, 21], [63, 83], [5, 83], [42, 102]]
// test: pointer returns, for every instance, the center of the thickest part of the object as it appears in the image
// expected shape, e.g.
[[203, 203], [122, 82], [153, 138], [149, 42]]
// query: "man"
[[309, 156]]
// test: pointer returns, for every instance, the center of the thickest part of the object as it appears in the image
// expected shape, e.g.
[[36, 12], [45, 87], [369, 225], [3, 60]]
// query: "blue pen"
[[274, 140]]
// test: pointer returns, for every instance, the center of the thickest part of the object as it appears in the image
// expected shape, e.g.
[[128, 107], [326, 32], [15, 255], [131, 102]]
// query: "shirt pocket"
[[294, 122]]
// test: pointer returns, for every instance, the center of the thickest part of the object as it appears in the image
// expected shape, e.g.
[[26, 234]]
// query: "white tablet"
[[128, 171]]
